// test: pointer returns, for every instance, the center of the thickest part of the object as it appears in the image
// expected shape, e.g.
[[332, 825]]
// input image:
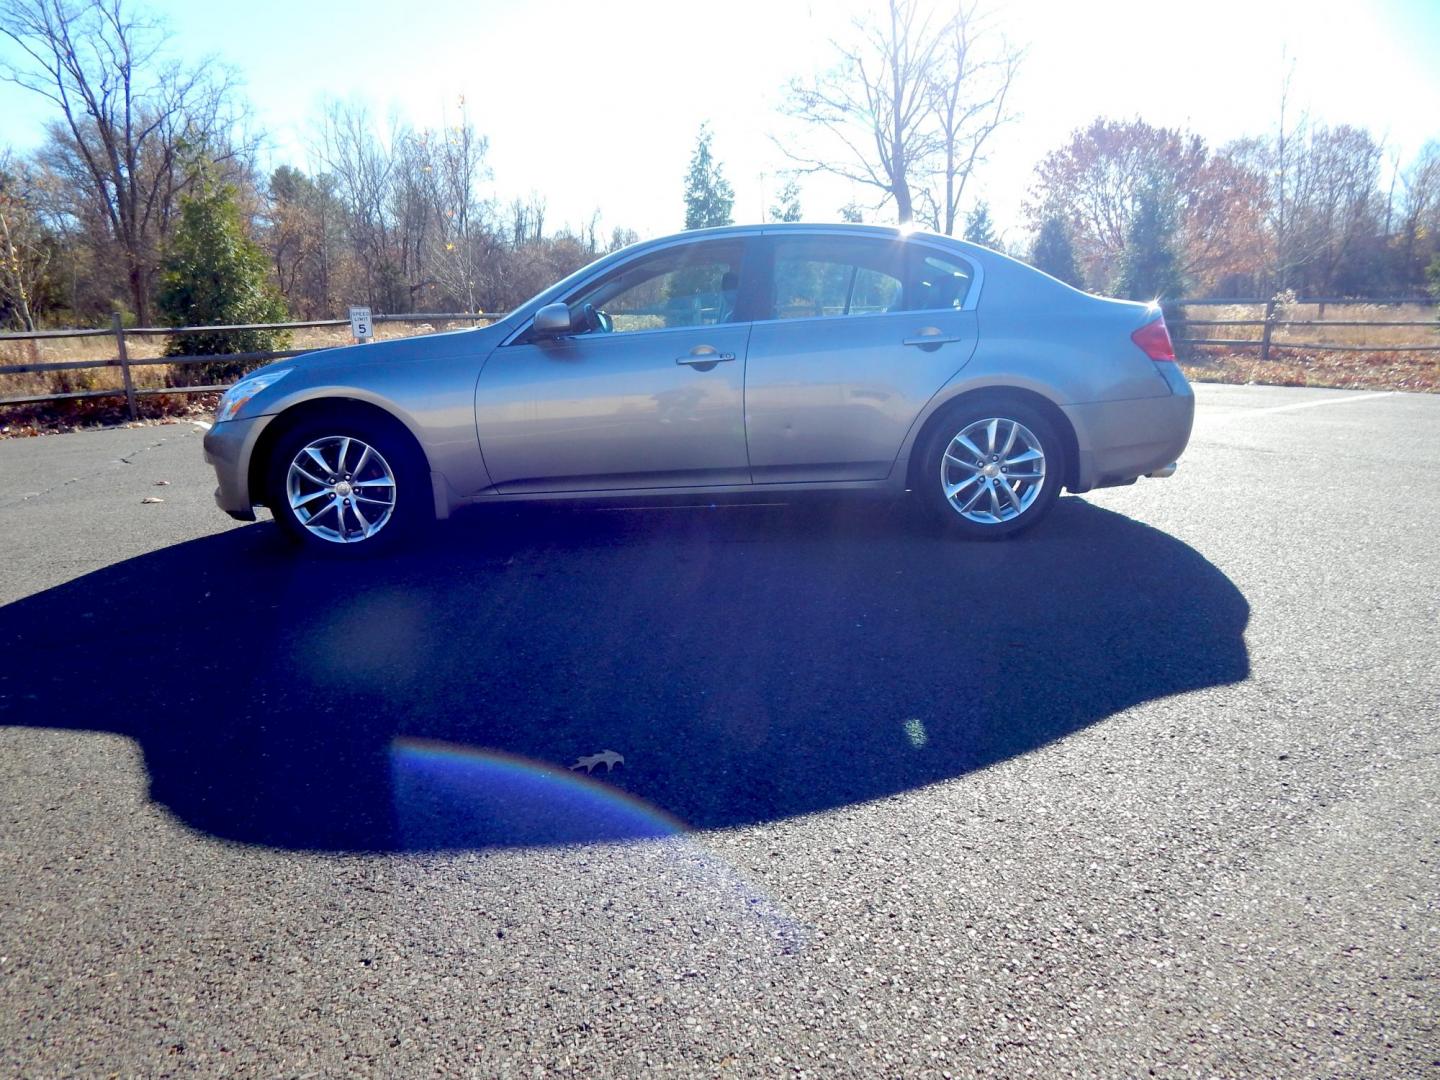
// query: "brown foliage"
[[1094, 181]]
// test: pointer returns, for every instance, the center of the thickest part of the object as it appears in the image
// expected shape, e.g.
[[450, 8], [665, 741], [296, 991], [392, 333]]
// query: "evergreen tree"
[[979, 229], [1149, 266], [1054, 253], [787, 205], [709, 198], [214, 274]]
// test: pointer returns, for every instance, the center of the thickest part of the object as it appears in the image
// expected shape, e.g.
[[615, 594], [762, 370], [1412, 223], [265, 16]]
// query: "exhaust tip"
[[1168, 470]]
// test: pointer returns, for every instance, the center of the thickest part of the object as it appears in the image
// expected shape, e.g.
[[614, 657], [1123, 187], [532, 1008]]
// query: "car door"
[[654, 401], [853, 336]]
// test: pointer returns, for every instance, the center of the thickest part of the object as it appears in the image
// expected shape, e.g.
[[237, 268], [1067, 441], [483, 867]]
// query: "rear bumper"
[[228, 449], [1119, 441]]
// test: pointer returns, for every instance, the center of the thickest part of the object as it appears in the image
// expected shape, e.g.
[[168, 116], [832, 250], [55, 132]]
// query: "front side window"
[[825, 277], [689, 285]]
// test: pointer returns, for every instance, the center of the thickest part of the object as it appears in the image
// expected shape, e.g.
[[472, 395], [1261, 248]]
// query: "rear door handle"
[[704, 356], [931, 335]]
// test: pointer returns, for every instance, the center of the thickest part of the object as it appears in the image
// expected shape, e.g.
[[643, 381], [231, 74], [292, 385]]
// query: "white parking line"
[[1316, 404], [202, 424]]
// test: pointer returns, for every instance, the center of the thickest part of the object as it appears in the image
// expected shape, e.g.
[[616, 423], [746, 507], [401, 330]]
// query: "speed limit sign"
[[360, 326]]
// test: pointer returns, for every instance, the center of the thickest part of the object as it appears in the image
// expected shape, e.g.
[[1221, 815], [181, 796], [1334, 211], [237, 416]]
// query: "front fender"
[[437, 409]]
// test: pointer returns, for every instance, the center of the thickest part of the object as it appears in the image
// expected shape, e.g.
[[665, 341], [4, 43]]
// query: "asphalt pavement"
[[1151, 790]]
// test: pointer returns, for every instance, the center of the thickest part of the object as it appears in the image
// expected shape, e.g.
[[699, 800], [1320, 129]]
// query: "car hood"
[[422, 347]]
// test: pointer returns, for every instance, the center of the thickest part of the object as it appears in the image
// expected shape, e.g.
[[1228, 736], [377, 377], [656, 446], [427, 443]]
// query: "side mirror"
[[552, 320]]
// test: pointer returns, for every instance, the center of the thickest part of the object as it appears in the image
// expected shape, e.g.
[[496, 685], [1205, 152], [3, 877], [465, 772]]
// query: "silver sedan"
[[729, 361]]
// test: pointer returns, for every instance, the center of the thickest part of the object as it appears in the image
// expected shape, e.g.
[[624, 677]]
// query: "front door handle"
[[931, 335], [704, 357]]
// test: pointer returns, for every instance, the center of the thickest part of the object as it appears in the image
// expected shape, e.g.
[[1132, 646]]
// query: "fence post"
[[119, 329], [1269, 326]]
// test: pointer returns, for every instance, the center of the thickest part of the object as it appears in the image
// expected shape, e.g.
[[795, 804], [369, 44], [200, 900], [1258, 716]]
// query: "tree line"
[[146, 197], [149, 172], [917, 91]]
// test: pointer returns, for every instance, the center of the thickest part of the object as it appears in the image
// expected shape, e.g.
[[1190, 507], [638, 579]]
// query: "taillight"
[[1154, 340]]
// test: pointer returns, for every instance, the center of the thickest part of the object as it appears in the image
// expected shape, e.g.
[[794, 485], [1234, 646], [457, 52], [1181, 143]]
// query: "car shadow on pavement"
[[748, 663]]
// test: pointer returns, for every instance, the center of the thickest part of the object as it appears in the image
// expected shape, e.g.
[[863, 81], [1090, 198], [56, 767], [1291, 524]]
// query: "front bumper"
[[228, 449]]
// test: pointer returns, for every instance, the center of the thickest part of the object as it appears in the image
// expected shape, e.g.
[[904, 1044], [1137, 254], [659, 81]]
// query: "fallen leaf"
[[151, 499], [608, 758]]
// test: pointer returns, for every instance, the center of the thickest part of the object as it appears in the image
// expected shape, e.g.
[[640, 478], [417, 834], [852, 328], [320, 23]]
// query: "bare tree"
[[456, 172], [363, 170], [127, 115], [1342, 199], [621, 238], [1277, 163], [417, 220], [1324, 201], [874, 104], [1420, 214], [969, 86], [527, 220], [24, 253], [913, 99], [414, 195], [590, 232]]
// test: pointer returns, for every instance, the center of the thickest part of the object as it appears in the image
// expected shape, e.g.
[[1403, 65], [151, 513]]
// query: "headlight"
[[234, 399]]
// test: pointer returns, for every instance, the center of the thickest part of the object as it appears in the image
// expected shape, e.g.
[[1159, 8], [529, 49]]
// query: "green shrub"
[[215, 275]]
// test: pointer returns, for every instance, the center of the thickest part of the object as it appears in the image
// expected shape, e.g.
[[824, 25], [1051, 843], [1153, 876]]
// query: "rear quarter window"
[[938, 283]]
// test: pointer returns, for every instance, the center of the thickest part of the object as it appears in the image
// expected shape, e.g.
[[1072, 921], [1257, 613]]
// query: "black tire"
[[939, 469], [357, 496]]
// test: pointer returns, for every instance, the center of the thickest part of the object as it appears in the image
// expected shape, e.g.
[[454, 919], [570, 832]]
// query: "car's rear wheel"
[[347, 485], [991, 469]]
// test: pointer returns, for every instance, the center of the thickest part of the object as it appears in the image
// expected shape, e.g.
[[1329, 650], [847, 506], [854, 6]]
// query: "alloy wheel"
[[993, 470], [341, 489]]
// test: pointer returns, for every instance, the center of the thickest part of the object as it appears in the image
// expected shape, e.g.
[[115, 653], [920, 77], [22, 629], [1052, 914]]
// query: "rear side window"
[[938, 283], [822, 277]]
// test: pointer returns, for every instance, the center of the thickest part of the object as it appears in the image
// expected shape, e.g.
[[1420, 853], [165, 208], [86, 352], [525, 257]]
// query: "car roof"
[[889, 232], [807, 228]]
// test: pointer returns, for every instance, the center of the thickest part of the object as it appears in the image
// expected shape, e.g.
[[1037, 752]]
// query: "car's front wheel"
[[991, 469], [346, 485]]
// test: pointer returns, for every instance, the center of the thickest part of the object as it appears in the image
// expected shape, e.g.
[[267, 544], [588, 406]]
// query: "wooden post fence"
[[119, 328], [1268, 329]]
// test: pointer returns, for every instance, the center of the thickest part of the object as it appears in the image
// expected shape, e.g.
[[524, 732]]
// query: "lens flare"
[[449, 796]]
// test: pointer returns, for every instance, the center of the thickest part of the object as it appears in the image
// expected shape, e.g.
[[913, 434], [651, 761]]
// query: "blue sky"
[[596, 106]]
